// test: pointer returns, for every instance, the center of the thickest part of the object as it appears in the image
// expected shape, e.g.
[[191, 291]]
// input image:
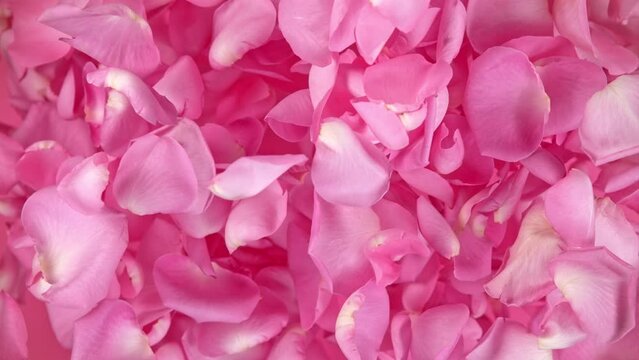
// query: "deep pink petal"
[[13, 329], [507, 117], [226, 297]]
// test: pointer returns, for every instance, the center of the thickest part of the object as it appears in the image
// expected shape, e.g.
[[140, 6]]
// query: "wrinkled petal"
[[601, 289], [143, 185], [347, 170], [507, 117], [240, 26], [362, 322], [225, 297], [77, 253]]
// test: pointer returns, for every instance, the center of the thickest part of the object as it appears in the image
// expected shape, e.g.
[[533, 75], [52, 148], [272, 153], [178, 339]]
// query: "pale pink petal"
[[144, 100], [573, 192], [110, 331], [388, 248], [362, 322], [215, 339], [291, 346], [182, 85], [256, 217], [507, 339], [610, 54], [601, 289], [371, 33], [77, 253], [120, 125], [187, 133], [610, 130], [144, 184], [405, 16], [13, 329], [208, 222], [436, 230], [524, 275], [493, 22], [83, 186], [615, 232], [407, 79], [507, 117], [571, 20], [347, 170], [569, 83], [292, 116], [305, 26], [544, 165], [113, 34], [250, 175], [240, 26], [539, 48], [560, 327], [428, 183], [343, 20], [385, 124], [225, 297], [437, 331], [339, 235]]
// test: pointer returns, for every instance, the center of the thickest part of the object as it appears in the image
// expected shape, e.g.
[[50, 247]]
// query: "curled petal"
[[113, 34], [362, 322], [507, 117], [347, 170], [560, 328]]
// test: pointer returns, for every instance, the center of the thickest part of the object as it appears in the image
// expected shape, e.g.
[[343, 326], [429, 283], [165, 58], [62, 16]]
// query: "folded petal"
[[507, 339], [182, 85], [437, 331], [615, 232], [384, 124], [339, 236], [305, 26], [570, 193], [569, 84], [610, 129], [507, 117], [362, 322], [256, 217], [77, 253], [601, 289], [347, 170], [83, 186], [144, 184], [406, 79], [110, 331], [524, 275], [291, 118], [120, 125], [428, 183], [144, 100], [240, 26], [560, 327], [183, 286], [215, 339], [13, 329], [493, 22], [436, 229], [250, 175], [209, 221], [545, 165], [113, 34]]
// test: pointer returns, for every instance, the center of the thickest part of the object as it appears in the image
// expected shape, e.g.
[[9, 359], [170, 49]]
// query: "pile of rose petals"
[[320, 179]]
